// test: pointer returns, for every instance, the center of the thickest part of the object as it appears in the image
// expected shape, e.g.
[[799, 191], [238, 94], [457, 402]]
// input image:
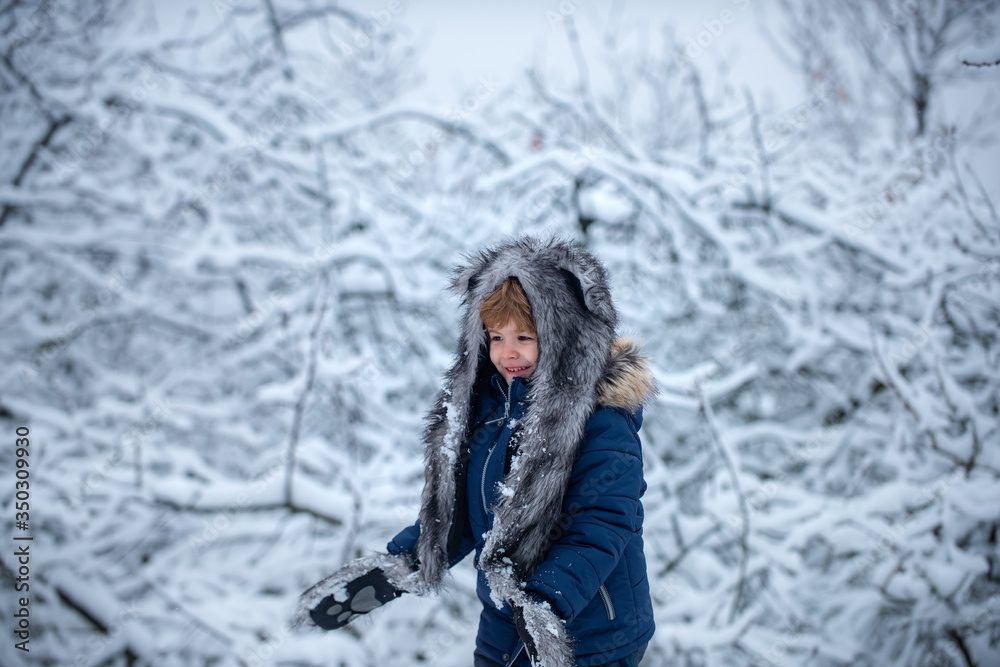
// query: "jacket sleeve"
[[601, 513], [405, 542]]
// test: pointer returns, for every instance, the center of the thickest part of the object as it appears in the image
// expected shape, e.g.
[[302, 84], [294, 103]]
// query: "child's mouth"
[[512, 371]]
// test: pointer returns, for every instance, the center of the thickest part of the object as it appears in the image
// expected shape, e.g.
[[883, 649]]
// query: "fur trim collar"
[[627, 382]]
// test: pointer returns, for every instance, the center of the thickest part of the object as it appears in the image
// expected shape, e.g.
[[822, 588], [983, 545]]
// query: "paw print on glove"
[[365, 593]]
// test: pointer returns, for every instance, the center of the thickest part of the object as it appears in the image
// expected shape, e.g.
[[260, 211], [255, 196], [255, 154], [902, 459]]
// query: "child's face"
[[513, 351]]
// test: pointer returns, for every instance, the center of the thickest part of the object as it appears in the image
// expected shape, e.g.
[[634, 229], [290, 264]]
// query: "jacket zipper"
[[489, 455], [482, 485], [514, 657], [506, 406], [609, 607], [482, 490]]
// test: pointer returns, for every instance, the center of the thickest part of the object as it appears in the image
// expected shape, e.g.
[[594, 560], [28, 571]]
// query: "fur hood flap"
[[570, 298]]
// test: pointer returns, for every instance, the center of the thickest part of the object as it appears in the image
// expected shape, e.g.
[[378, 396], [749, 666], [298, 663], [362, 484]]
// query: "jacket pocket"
[[609, 606]]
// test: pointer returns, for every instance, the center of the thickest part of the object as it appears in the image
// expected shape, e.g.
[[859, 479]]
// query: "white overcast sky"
[[465, 40], [461, 41]]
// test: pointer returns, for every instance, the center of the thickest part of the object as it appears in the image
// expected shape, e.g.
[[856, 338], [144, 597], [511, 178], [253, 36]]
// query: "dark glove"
[[367, 592], [522, 632]]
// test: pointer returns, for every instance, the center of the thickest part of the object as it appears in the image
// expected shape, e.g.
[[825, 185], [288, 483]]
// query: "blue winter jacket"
[[594, 575]]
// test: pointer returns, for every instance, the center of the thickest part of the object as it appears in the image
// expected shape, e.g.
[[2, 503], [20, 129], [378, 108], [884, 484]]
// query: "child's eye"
[[524, 338]]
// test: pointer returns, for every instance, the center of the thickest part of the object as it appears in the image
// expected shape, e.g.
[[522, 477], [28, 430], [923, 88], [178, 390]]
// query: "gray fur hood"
[[580, 367], [575, 319]]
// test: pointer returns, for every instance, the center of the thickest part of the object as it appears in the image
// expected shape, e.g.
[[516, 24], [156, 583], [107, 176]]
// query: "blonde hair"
[[507, 303]]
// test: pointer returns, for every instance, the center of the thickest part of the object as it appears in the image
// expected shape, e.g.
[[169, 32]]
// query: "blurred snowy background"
[[225, 230]]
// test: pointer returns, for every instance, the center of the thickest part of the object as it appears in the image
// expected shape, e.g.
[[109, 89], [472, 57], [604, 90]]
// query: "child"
[[533, 461]]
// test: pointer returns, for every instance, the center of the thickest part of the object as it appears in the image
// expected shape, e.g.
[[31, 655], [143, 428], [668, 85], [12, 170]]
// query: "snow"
[[605, 204], [233, 274]]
